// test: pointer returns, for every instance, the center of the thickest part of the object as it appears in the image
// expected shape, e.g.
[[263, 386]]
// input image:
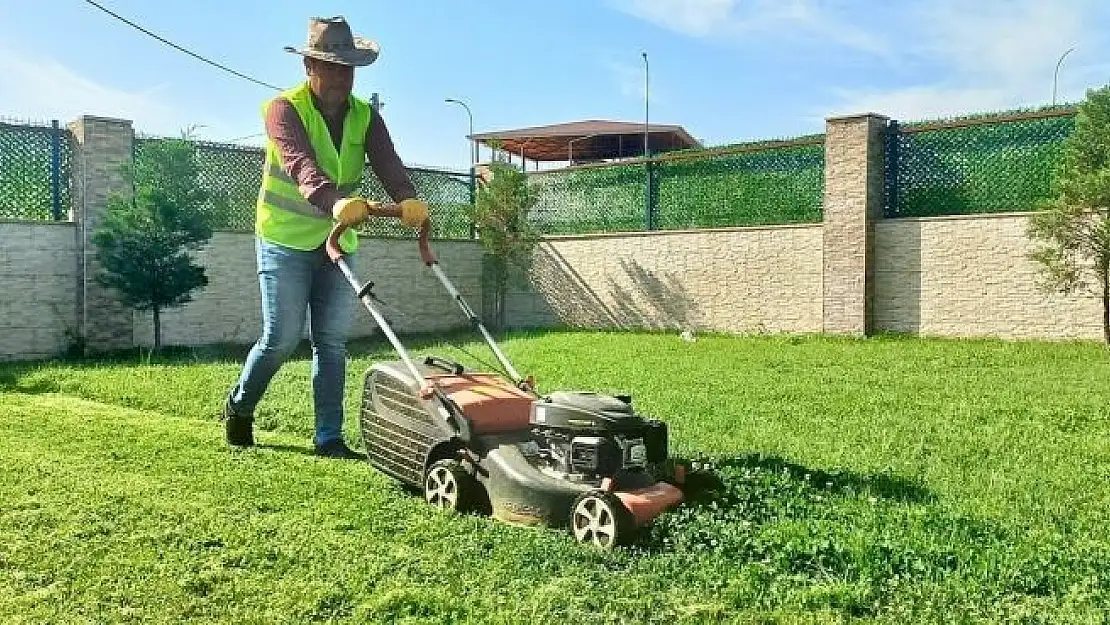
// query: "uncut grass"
[[882, 479]]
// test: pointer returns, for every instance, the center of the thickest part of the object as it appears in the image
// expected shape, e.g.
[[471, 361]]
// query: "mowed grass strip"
[[883, 479]]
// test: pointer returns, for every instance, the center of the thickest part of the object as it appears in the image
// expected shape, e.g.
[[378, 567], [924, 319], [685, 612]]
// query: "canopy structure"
[[586, 141]]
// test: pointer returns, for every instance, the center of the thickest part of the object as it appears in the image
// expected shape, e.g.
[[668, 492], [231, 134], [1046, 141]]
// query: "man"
[[320, 136]]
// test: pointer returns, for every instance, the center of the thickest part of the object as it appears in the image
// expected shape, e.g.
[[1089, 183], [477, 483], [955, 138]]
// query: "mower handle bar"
[[450, 410], [387, 210], [336, 255]]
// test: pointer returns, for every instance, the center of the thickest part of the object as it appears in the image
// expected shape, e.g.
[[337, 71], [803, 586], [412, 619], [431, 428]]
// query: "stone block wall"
[[39, 283], [228, 310], [970, 276], [731, 280]]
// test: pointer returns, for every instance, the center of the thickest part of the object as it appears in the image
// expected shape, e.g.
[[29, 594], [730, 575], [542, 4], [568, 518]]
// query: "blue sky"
[[726, 70]]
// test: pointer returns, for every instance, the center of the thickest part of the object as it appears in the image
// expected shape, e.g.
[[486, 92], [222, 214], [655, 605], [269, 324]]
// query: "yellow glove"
[[351, 210], [413, 212]]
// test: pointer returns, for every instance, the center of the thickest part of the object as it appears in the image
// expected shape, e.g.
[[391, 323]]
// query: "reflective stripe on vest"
[[297, 205], [283, 215]]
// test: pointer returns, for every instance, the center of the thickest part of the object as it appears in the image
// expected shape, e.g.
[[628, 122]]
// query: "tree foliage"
[[144, 240], [1074, 228], [501, 215]]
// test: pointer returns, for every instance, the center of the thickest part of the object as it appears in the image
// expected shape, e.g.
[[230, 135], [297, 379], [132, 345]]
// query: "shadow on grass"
[[789, 520], [13, 380], [372, 347], [304, 451], [841, 483], [729, 499], [285, 449], [222, 353]]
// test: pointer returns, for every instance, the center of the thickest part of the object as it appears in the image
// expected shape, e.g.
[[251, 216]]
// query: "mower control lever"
[[447, 365]]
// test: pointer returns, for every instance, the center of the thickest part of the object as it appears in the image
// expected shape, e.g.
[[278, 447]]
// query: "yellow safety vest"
[[282, 214]]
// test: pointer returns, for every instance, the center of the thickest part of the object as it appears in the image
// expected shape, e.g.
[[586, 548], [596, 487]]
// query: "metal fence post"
[[656, 173], [473, 198], [893, 144], [55, 170]]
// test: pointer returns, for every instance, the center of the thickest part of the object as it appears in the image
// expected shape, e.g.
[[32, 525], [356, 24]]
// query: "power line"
[[257, 134], [174, 45]]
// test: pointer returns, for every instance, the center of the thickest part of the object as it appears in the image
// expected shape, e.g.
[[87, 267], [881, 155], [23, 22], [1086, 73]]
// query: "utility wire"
[[174, 45], [257, 134]]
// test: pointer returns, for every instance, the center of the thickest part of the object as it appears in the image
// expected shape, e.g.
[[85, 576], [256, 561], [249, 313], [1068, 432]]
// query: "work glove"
[[413, 212], [351, 210]]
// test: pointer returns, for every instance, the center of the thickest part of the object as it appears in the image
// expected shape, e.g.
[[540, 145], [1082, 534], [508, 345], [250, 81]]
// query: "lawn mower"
[[489, 443]]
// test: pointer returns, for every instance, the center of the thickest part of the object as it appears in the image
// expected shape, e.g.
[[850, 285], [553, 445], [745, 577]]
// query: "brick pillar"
[[853, 201], [102, 147]]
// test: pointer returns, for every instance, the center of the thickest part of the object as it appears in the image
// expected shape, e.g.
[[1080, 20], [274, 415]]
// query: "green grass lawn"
[[882, 480]]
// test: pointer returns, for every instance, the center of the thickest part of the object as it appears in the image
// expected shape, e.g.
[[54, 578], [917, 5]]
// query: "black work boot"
[[338, 449], [238, 428]]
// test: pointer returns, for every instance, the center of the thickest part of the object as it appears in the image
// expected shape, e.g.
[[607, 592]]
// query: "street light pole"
[[1056, 74], [473, 161], [648, 221], [647, 86], [474, 146]]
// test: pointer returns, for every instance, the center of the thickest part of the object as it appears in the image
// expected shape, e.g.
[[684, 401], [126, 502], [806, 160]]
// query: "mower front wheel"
[[448, 486], [600, 518]]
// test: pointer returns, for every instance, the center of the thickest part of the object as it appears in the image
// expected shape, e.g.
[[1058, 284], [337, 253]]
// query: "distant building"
[[587, 141]]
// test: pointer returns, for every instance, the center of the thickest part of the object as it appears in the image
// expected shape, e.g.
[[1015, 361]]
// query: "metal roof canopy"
[[589, 140]]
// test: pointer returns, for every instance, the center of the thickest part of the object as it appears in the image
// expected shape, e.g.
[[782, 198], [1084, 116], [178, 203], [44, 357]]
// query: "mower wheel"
[[448, 486], [599, 517]]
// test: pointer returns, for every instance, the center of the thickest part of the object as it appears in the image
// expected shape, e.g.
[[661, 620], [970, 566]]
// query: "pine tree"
[[144, 241]]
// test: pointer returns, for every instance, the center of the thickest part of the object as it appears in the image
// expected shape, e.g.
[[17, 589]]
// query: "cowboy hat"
[[330, 39]]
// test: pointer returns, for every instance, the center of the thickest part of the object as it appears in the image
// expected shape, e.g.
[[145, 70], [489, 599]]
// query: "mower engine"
[[583, 437]]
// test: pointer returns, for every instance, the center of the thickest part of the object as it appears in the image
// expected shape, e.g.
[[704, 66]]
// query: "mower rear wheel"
[[599, 517], [448, 486]]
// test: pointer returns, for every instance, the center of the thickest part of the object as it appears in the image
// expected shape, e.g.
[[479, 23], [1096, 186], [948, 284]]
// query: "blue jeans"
[[292, 282]]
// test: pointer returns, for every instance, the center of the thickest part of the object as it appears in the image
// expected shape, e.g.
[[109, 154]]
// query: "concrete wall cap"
[[840, 119]]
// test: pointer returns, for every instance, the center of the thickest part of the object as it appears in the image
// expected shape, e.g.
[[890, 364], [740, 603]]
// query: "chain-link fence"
[[985, 165], [232, 175], [990, 164], [35, 171], [744, 185], [449, 195]]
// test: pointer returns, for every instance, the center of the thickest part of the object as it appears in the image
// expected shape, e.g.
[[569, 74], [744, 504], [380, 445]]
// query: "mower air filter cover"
[[591, 402], [585, 411]]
